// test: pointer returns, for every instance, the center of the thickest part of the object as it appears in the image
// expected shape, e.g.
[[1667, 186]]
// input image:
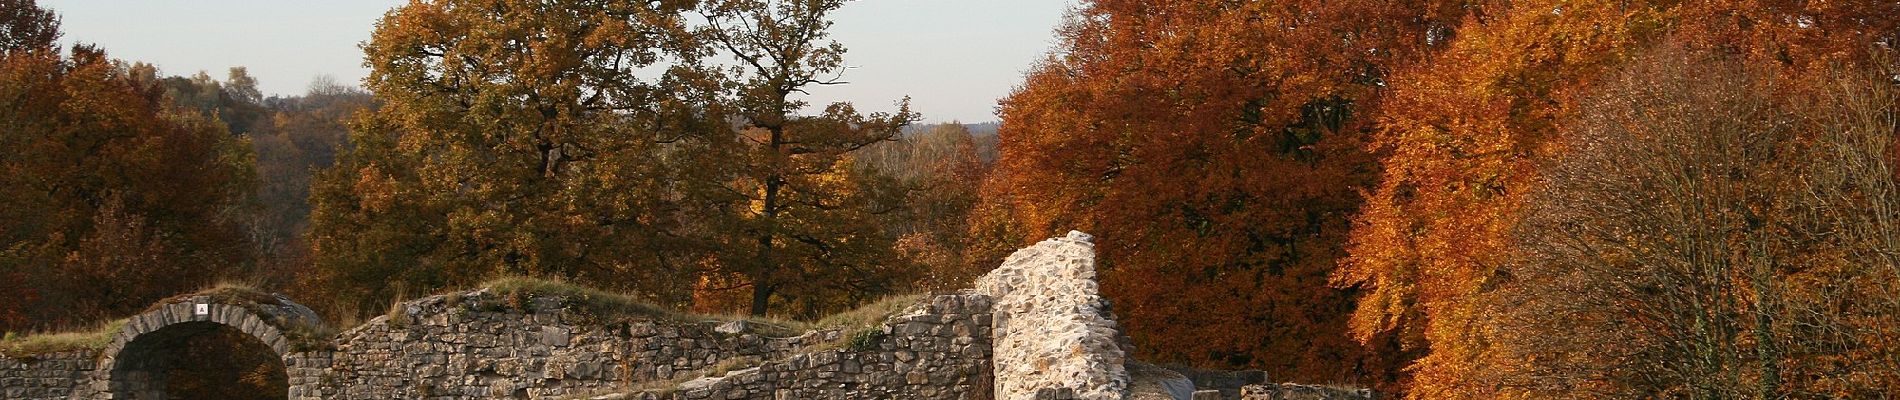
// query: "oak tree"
[[514, 138], [809, 219]]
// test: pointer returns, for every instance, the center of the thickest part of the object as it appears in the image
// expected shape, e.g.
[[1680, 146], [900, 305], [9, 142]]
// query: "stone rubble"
[[1292, 391]]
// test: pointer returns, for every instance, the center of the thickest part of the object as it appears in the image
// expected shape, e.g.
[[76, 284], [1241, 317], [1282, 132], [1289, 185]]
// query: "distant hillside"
[[982, 134], [976, 129], [984, 128]]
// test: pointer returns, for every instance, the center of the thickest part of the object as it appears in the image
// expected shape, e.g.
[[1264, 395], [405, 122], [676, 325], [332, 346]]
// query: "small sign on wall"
[[202, 309]]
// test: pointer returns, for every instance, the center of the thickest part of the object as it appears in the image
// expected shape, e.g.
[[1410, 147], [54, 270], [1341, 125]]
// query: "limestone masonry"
[[1054, 334], [1035, 328]]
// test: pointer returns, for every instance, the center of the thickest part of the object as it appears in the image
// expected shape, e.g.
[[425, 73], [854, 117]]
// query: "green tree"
[[810, 219], [518, 138]]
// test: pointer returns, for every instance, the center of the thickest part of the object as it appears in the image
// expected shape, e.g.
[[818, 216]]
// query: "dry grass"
[[101, 335], [227, 292], [515, 292], [519, 293], [731, 364], [303, 336], [869, 315], [862, 327], [36, 344], [398, 317]]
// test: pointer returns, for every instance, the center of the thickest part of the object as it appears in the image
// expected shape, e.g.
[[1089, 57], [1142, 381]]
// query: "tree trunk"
[[761, 296]]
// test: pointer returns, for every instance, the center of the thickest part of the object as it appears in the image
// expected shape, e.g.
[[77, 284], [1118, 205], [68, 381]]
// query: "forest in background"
[[1438, 199]]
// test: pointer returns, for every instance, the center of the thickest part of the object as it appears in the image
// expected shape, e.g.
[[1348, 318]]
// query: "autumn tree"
[[302, 136], [24, 26], [235, 101], [938, 167], [1650, 253], [114, 198], [1459, 133], [1462, 133], [804, 221], [1696, 238], [517, 138], [1843, 202], [1217, 149]]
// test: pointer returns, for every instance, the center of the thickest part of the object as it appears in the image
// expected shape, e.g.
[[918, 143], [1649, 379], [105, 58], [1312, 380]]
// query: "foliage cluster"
[[1517, 199], [30, 345], [113, 197], [1441, 199], [600, 141]]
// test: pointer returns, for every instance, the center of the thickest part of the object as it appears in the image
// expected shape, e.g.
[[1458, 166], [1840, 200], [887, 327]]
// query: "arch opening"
[[198, 360]]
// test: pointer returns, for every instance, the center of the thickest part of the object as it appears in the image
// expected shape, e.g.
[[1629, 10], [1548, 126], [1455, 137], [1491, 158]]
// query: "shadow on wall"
[[199, 360]]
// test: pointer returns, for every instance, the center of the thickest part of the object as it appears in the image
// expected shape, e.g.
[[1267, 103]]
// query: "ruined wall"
[[1055, 336], [1293, 391], [60, 375], [457, 347], [466, 346], [1035, 328], [938, 349]]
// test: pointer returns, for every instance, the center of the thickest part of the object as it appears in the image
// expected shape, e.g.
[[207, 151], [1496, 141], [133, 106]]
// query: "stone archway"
[[136, 363]]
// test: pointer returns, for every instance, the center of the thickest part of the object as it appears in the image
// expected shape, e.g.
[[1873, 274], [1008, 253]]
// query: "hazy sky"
[[953, 57]]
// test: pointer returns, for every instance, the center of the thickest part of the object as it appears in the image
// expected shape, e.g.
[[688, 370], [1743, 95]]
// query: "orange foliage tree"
[[1462, 133], [113, 198], [1707, 231], [1217, 148]]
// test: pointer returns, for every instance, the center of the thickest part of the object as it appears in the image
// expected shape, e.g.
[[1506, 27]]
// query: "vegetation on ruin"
[[30, 345], [1440, 199]]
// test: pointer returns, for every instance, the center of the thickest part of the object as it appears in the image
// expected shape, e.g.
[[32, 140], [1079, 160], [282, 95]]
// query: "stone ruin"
[[1034, 328], [1054, 334]]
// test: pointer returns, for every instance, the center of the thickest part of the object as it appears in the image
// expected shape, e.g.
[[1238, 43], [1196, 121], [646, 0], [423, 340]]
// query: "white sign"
[[203, 309]]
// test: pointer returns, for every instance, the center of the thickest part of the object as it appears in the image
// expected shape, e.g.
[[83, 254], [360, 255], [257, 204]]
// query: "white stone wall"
[[1054, 335]]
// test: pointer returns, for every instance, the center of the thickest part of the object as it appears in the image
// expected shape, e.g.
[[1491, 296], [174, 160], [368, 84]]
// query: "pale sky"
[[955, 58]]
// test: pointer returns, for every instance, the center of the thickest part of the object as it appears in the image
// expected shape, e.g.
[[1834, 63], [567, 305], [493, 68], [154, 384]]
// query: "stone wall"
[[138, 361], [1055, 336], [1226, 383], [937, 349], [467, 346], [1293, 391], [60, 375], [1035, 328], [457, 346]]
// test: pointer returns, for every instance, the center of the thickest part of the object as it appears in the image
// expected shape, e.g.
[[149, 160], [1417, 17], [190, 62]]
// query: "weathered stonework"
[[1225, 384], [1035, 328], [134, 364], [1291, 391], [938, 349], [1055, 336], [52, 376], [450, 348]]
